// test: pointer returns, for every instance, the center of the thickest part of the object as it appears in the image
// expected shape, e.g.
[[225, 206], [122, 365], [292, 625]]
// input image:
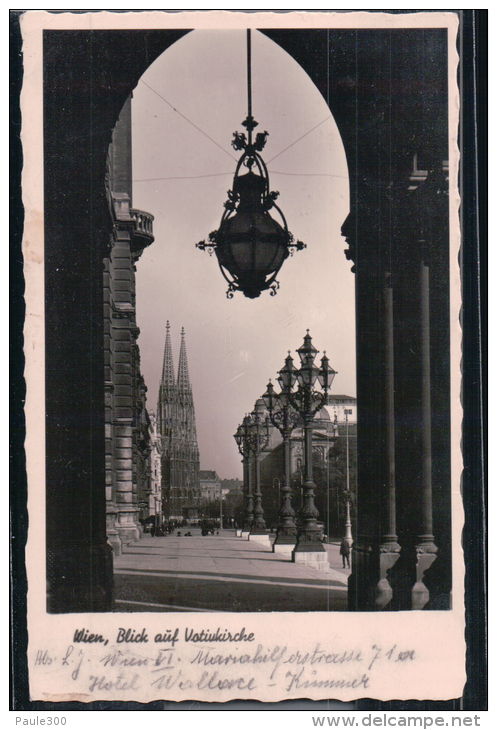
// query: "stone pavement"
[[222, 573]]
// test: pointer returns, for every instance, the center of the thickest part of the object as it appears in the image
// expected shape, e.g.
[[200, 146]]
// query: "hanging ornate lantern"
[[250, 245]]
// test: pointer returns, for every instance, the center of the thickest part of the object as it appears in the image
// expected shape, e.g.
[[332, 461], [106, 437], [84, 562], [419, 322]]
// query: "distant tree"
[[209, 508], [232, 483], [233, 507]]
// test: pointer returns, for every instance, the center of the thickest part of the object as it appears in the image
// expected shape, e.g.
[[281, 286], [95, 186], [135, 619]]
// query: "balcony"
[[143, 234]]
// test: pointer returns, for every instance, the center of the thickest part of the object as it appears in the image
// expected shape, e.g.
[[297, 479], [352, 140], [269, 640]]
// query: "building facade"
[[127, 437], [210, 485], [343, 407], [178, 437], [155, 495], [150, 484]]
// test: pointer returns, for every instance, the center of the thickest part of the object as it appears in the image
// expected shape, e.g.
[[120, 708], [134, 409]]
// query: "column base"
[[305, 546], [128, 534], [438, 579], [283, 539], [260, 539], [283, 548], [317, 559], [388, 557], [112, 535], [420, 594], [115, 542], [127, 526], [370, 583], [284, 544]]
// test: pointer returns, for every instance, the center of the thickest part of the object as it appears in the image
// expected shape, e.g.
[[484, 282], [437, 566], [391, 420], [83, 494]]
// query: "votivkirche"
[[178, 434]]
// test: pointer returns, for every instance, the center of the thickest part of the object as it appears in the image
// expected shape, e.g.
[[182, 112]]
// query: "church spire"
[[176, 425], [167, 363], [183, 376]]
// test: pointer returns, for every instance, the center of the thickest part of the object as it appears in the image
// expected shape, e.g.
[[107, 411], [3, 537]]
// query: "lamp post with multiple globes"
[[252, 437], [307, 401], [284, 417], [242, 441], [259, 436]]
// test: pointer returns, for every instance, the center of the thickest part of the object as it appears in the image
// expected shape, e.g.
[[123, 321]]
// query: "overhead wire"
[[298, 139], [182, 177], [187, 119], [205, 134], [221, 174], [308, 174]]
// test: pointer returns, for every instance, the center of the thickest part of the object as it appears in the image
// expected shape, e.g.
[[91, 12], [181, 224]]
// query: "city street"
[[222, 573]]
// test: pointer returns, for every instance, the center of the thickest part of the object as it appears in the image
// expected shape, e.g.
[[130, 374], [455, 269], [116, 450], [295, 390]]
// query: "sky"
[[185, 109]]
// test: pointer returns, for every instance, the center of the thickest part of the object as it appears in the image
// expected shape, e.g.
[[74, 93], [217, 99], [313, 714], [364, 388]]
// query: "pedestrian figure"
[[345, 553]]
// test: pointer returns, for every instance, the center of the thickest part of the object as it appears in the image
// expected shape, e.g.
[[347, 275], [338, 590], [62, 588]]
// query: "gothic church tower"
[[177, 429]]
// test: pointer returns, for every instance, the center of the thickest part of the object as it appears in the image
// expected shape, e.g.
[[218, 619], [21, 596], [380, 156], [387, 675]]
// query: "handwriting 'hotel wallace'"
[[178, 434]]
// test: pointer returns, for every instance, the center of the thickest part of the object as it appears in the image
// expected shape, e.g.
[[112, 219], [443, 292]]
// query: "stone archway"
[[387, 92]]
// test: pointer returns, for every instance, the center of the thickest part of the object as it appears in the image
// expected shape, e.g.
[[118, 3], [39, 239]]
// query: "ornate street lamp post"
[[242, 441], [220, 507], [258, 439], [308, 401], [284, 417], [252, 437]]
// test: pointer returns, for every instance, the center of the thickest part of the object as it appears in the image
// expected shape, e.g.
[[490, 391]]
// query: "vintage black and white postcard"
[[243, 354]]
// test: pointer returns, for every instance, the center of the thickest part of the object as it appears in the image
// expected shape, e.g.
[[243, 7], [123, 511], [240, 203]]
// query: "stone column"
[[437, 577], [389, 548], [414, 409], [426, 550], [375, 550], [78, 555]]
